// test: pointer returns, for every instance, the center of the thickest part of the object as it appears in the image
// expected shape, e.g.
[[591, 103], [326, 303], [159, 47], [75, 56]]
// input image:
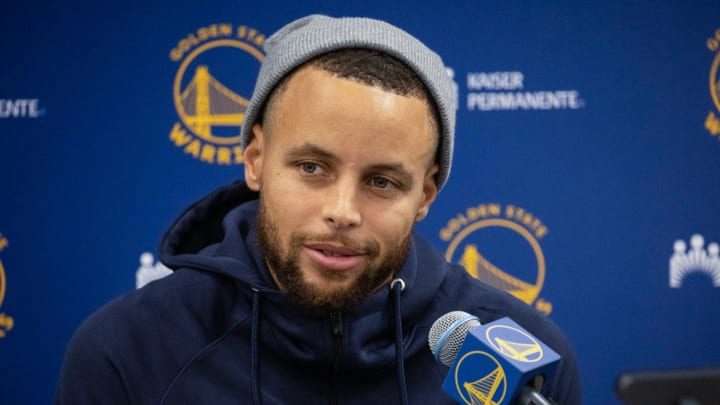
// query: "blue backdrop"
[[587, 157]]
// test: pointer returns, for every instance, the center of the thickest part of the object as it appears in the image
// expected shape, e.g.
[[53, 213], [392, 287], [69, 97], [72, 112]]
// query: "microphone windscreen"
[[448, 333]]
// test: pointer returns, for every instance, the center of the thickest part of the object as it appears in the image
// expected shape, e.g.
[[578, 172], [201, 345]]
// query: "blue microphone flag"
[[495, 362]]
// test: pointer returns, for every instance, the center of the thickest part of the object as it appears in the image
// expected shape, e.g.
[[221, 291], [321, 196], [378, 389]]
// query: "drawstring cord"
[[397, 286], [254, 341]]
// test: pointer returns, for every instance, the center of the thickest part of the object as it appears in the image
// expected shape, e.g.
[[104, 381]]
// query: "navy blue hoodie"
[[218, 331]]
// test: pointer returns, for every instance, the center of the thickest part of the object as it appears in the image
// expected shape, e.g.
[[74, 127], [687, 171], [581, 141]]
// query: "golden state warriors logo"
[[514, 343], [489, 389], [217, 68], [6, 322], [712, 123], [499, 245]]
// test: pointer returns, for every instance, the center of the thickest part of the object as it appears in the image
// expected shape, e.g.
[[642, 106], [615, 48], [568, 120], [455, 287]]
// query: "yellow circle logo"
[[488, 389], [211, 90], [713, 45], [514, 343], [499, 246], [6, 322], [712, 121]]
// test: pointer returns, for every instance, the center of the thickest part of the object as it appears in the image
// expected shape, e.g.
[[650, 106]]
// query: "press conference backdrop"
[[586, 178]]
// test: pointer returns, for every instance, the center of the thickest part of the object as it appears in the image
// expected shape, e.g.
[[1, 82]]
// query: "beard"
[[284, 266]]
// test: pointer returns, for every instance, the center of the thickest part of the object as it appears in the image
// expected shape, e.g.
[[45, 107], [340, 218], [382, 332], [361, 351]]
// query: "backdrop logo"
[[20, 108], [503, 91], [712, 123], [218, 65], [6, 322], [149, 270], [451, 72], [489, 389], [697, 259], [499, 245]]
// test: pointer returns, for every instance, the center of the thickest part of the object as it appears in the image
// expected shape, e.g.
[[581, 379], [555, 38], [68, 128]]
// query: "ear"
[[253, 157], [430, 190]]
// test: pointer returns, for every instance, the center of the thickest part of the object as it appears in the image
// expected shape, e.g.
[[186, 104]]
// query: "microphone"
[[499, 363]]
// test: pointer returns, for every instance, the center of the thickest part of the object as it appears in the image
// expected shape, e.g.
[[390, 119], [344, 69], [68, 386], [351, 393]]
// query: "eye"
[[381, 182], [310, 167]]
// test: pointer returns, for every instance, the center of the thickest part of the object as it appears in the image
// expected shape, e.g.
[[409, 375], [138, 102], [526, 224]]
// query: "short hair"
[[366, 66]]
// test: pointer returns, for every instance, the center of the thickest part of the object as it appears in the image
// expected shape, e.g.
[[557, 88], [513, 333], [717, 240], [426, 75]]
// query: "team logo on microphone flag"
[[514, 344], [217, 68], [489, 388]]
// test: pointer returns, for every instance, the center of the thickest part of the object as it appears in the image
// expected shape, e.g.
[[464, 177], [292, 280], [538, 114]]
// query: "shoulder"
[[168, 321], [192, 304]]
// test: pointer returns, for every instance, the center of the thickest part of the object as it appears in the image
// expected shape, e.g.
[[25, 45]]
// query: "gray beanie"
[[311, 36]]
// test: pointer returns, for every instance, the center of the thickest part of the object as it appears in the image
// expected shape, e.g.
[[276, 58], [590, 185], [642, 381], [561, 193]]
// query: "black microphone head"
[[448, 333]]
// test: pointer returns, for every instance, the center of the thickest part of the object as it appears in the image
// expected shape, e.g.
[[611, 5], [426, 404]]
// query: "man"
[[305, 284]]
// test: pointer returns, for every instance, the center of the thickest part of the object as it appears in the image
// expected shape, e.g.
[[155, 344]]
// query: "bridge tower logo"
[[6, 322], [514, 344], [499, 245], [216, 75], [489, 389]]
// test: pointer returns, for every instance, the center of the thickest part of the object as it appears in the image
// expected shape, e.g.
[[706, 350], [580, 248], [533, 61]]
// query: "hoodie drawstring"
[[397, 286], [254, 351]]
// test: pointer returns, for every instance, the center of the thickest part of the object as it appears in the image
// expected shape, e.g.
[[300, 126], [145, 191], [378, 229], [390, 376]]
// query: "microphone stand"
[[530, 396]]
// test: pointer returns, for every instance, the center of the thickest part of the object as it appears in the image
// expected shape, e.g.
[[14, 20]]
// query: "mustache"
[[368, 247]]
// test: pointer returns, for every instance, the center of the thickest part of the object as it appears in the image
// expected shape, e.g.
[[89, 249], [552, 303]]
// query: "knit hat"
[[314, 35]]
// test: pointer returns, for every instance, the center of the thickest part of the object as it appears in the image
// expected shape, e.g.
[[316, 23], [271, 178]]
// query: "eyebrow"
[[309, 150]]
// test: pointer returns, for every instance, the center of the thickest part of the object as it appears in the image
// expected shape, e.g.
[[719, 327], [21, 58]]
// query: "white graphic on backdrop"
[[20, 108], [506, 91], [149, 271], [684, 262], [451, 72]]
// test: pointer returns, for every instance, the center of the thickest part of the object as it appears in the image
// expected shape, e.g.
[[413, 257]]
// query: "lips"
[[334, 257]]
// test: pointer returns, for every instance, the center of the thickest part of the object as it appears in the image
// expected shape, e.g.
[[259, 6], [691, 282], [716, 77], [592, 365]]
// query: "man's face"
[[344, 171]]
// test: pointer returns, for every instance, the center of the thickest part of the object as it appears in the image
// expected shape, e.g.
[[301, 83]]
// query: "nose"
[[341, 207]]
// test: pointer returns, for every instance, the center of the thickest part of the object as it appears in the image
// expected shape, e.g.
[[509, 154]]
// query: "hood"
[[212, 235]]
